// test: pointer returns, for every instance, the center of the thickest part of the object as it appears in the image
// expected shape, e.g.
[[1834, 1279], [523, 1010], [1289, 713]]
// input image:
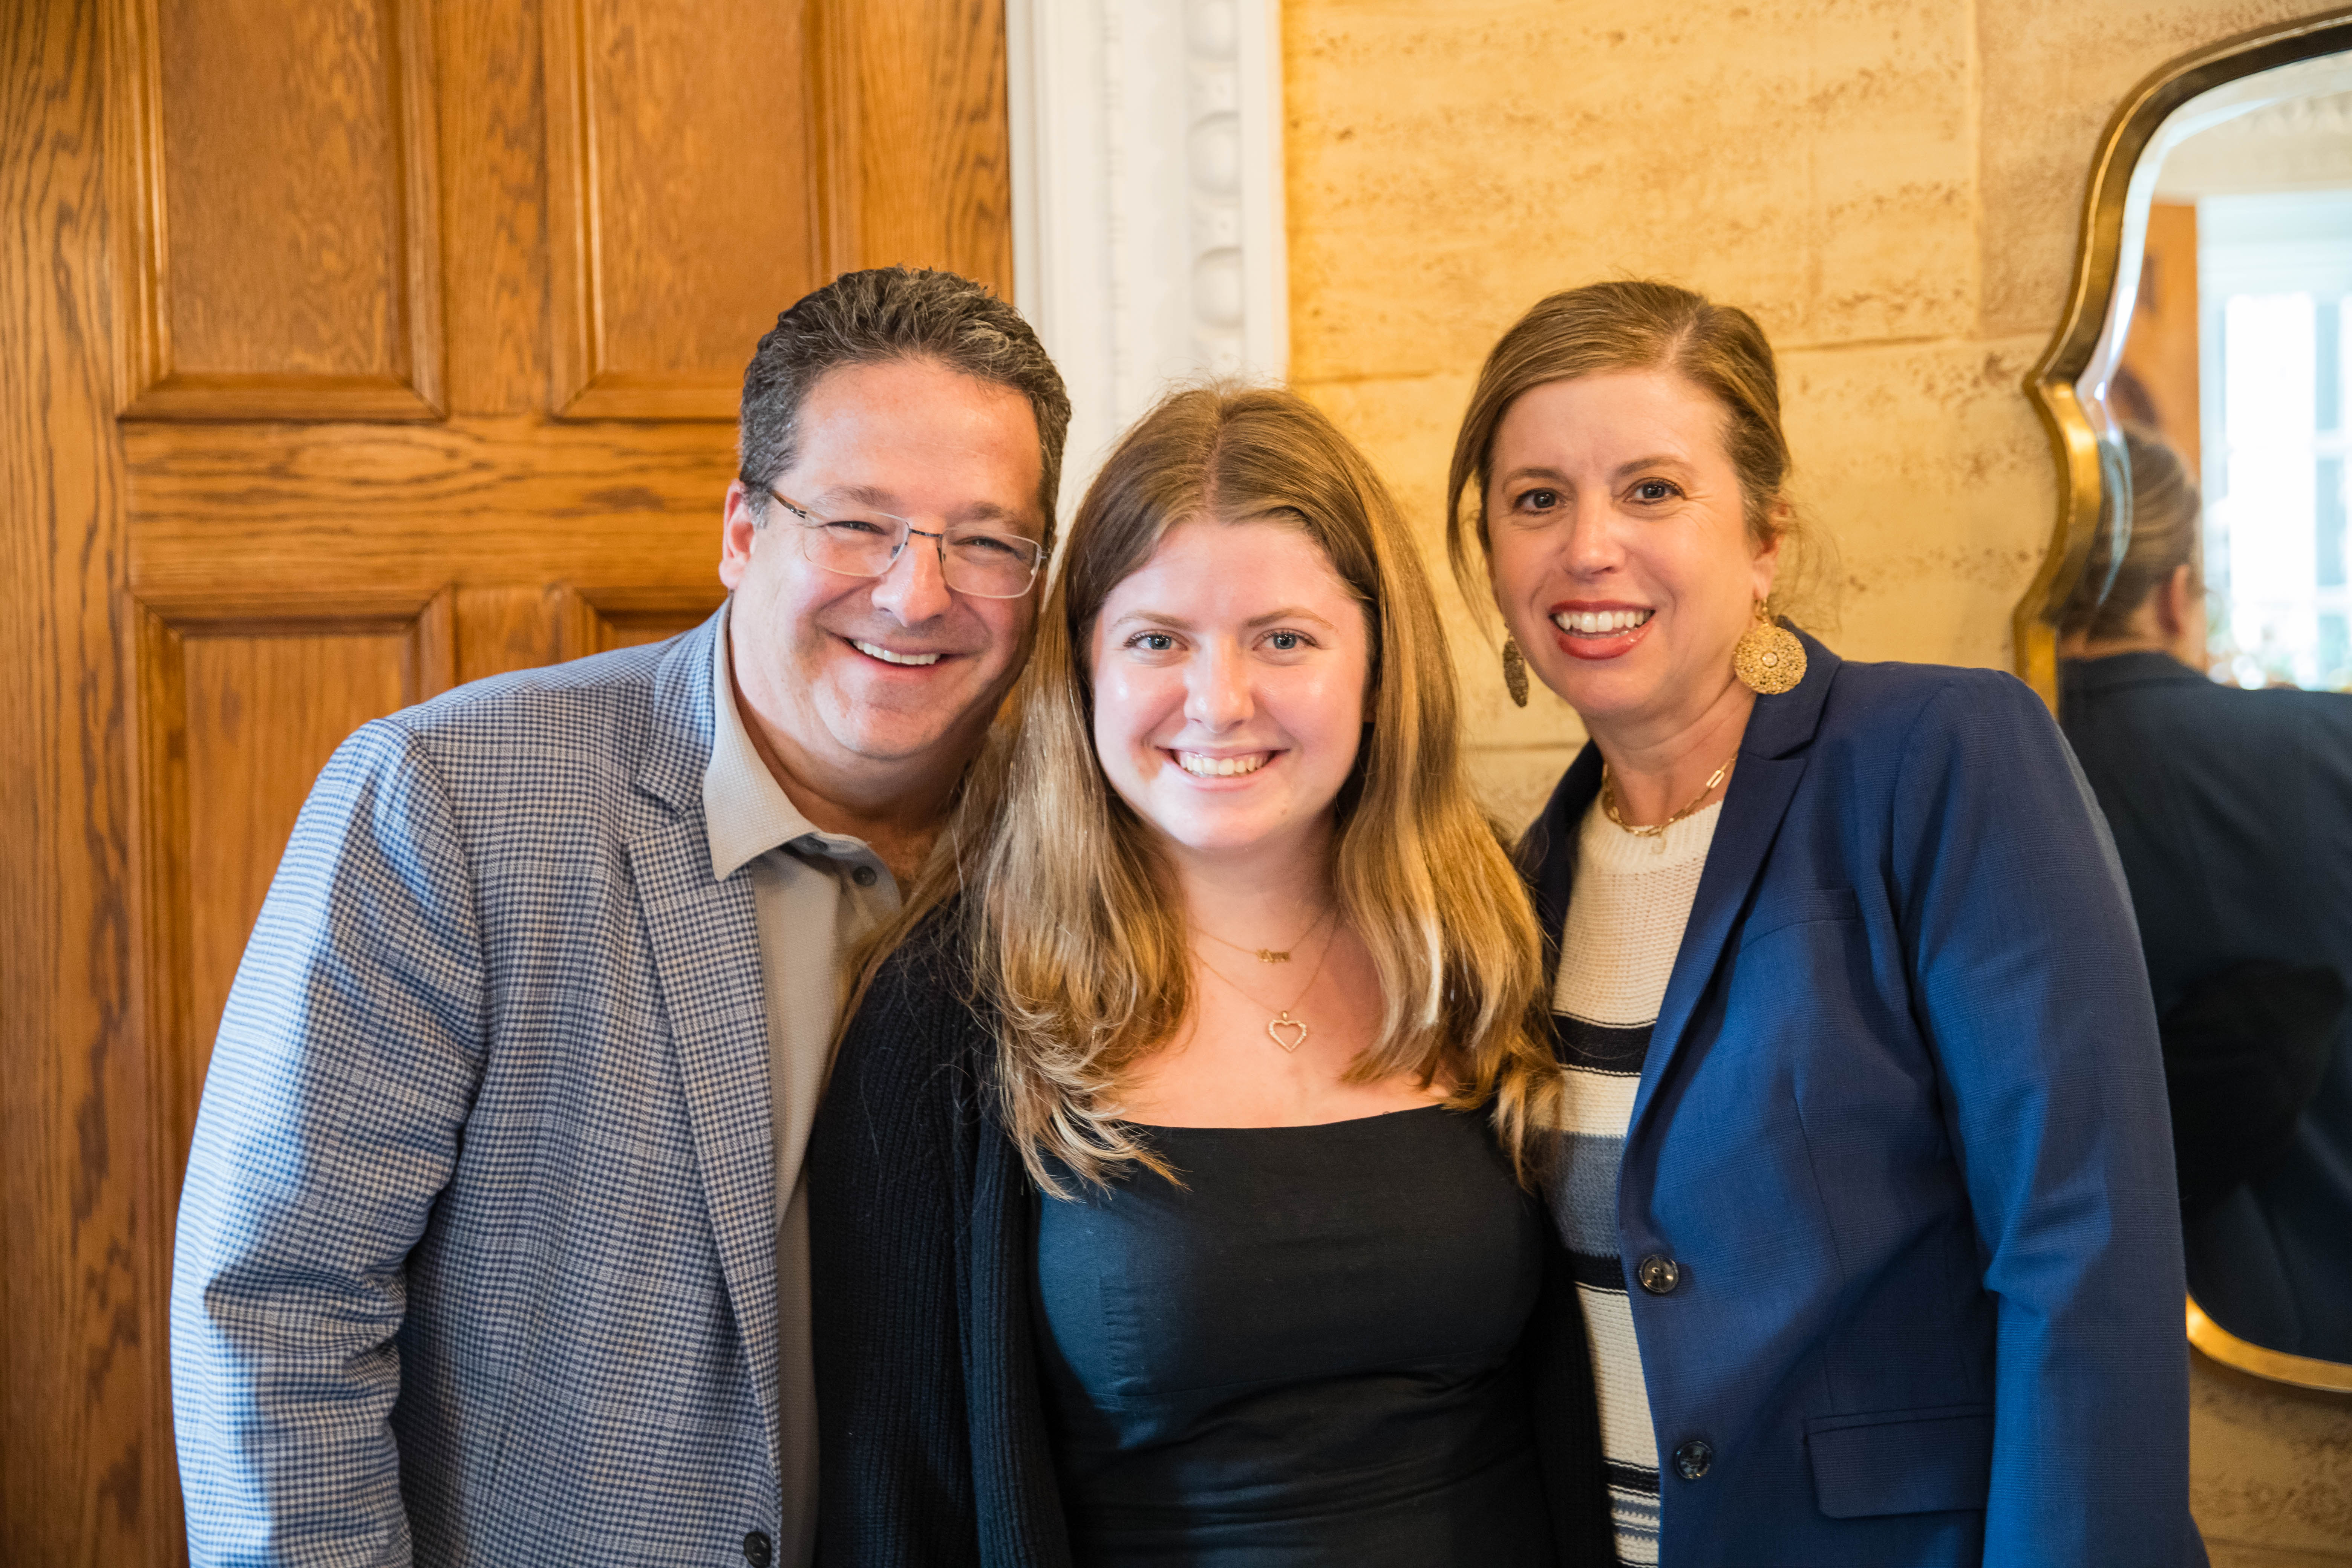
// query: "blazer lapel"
[[1771, 762], [1752, 808], [1546, 855], [706, 946], [707, 956]]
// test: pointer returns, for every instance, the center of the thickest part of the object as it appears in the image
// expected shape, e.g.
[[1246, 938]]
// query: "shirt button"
[[1658, 1274], [863, 876], [757, 1549], [1694, 1458]]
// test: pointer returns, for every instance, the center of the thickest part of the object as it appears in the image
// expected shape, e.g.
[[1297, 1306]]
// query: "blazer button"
[[758, 1549], [1694, 1458], [1658, 1274]]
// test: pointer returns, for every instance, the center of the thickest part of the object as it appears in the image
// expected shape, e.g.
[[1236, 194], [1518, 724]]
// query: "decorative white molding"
[[1147, 241]]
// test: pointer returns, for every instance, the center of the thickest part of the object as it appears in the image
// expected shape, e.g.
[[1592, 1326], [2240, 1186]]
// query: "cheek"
[[785, 588], [1128, 706], [1008, 623], [1516, 563], [1326, 716]]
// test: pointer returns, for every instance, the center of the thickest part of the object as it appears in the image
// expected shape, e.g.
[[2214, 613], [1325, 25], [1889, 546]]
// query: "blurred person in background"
[[2233, 814]]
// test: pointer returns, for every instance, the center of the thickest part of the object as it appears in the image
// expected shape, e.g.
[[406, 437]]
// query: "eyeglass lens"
[[985, 565]]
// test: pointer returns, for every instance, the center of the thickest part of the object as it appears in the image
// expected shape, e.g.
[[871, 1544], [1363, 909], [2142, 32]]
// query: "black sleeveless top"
[[1300, 1358]]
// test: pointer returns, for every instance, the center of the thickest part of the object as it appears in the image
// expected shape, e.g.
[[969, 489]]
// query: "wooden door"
[[350, 349]]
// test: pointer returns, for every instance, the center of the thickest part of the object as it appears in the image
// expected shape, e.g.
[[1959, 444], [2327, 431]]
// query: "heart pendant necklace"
[[1284, 1028]]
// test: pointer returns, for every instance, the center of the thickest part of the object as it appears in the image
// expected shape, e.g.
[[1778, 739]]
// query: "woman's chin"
[[1234, 835], [1624, 687]]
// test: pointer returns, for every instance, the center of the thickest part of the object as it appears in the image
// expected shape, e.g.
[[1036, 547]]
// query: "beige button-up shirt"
[[814, 894]]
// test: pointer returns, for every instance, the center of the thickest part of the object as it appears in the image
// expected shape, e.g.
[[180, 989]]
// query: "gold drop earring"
[[1515, 671], [1767, 659]]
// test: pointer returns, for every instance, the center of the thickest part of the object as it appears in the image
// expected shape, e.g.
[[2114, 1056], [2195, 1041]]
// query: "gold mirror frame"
[[2052, 383], [2074, 442]]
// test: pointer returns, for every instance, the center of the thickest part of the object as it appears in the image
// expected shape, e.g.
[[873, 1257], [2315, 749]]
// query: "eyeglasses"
[[971, 561]]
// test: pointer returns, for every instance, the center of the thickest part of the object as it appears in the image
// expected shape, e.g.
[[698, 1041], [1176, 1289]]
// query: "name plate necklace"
[[1284, 1018]]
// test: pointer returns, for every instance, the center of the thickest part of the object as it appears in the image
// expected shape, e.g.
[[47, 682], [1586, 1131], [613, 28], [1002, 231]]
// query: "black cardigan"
[[932, 1442]]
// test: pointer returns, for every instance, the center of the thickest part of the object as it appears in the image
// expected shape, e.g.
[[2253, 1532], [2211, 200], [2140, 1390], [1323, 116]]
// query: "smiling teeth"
[[874, 650], [1591, 621], [1221, 767]]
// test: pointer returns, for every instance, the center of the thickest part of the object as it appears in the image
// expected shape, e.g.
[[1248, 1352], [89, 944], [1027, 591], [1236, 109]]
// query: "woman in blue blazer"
[[1865, 1167]]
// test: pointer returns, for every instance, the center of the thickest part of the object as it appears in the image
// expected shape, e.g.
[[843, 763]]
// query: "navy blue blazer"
[[2233, 814], [1903, 1124]]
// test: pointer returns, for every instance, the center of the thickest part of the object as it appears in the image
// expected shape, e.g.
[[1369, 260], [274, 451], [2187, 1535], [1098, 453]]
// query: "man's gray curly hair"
[[896, 313]]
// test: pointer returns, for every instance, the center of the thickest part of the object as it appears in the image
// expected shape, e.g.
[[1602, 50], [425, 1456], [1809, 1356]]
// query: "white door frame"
[[1147, 241]]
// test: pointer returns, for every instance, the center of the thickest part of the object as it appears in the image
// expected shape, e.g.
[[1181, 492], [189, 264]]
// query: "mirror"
[[2193, 625]]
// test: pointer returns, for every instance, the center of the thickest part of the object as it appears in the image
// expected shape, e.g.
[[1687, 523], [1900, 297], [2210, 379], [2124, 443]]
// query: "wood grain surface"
[[681, 198], [916, 161], [282, 204], [346, 355], [85, 1455]]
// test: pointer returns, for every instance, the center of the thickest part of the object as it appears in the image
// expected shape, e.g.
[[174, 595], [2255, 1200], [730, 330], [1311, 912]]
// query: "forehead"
[[914, 434], [1609, 417], [1210, 569]]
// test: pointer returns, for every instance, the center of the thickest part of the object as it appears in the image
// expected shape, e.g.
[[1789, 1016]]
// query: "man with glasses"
[[493, 1246]]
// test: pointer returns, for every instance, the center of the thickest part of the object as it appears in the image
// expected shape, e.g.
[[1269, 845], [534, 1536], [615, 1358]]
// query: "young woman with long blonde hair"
[[1170, 1200]]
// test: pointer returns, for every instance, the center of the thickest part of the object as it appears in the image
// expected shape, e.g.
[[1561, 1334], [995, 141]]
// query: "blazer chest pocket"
[[1812, 906], [1901, 1461]]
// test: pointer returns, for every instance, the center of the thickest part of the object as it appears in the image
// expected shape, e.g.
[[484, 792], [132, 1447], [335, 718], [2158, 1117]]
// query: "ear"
[[737, 529], [2175, 599], [1766, 562]]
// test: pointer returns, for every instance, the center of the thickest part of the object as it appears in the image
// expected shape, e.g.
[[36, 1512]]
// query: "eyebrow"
[[1654, 461], [837, 496], [1179, 623], [880, 500], [1291, 613]]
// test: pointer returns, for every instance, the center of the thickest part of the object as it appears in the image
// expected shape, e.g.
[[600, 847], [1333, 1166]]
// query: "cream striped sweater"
[[1625, 918]]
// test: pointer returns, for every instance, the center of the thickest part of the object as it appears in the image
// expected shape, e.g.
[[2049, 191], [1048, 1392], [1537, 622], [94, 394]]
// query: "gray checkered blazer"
[[477, 1252]]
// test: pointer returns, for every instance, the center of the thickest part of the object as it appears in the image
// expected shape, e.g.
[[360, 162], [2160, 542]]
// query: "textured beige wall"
[[1892, 187]]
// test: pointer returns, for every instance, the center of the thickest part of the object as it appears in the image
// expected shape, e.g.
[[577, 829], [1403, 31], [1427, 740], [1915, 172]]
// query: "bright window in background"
[[2274, 281]]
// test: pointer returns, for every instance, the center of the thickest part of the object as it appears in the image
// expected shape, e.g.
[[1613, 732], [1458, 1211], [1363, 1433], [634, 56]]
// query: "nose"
[[915, 589], [1217, 689], [1592, 547]]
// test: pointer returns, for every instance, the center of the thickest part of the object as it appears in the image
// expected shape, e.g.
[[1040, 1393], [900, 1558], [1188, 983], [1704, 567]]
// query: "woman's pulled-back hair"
[[1078, 938], [1632, 325], [2165, 511]]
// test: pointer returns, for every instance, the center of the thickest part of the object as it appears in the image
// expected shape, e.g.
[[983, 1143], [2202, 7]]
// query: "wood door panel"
[[284, 251], [494, 189], [86, 1470], [242, 700], [682, 200], [917, 157], [487, 502], [599, 620], [501, 629]]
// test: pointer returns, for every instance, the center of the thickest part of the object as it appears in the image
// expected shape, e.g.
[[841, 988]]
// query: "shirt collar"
[[2110, 672], [747, 813]]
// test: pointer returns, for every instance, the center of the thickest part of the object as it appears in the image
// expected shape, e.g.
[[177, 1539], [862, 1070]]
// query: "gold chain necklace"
[[1282, 1019], [1651, 830], [1273, 954]]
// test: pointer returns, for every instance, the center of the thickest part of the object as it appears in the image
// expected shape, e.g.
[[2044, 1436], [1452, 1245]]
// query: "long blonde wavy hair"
[[1077, 935]]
